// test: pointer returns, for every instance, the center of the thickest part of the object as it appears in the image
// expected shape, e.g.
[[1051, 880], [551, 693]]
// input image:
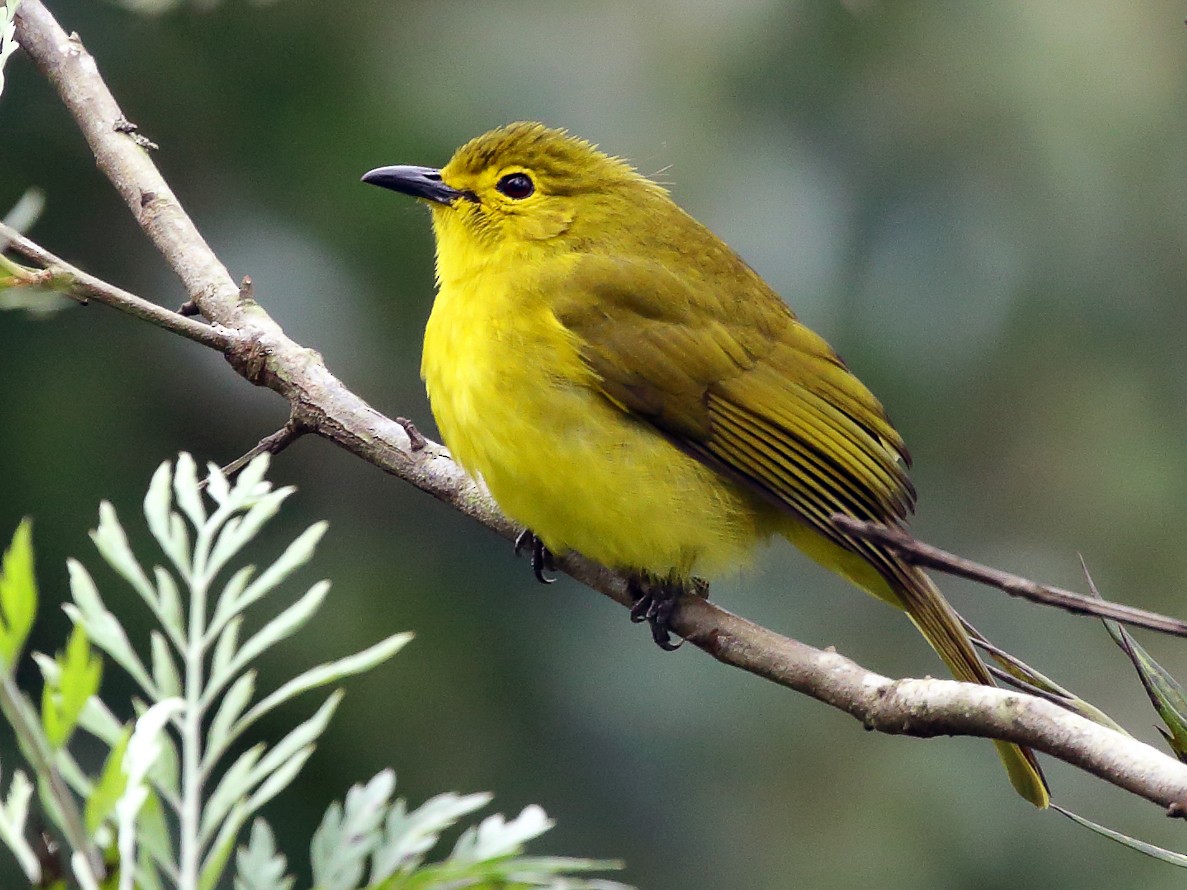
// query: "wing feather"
[[742, 386]]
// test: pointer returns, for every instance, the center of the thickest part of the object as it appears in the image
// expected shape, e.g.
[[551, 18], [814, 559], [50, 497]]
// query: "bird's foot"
[[655, 601], [539, 555]]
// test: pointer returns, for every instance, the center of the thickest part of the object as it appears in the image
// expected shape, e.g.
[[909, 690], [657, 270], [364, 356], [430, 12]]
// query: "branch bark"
[[258, 349]]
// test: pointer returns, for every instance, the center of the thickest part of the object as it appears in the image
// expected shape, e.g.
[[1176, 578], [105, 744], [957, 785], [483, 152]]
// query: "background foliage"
[[982, 206]]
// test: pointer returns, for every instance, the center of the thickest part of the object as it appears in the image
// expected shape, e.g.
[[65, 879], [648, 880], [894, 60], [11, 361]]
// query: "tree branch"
[[258, 349], [941, 560]]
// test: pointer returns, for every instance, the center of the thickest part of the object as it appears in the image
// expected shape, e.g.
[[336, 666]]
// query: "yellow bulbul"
[[627, 387]]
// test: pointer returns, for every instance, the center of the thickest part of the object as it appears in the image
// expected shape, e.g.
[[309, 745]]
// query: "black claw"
[[539, 555], [655, 601]]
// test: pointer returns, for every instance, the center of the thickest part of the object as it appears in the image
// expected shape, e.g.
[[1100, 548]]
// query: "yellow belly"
[[517, 407]]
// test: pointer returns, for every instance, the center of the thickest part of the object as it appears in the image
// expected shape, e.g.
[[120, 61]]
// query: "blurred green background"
[[983, 206]]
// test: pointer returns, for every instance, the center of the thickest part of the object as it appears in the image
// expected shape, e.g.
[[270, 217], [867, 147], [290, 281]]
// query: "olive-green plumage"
[[629, 388]]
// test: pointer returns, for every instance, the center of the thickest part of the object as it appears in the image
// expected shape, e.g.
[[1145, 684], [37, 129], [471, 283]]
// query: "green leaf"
[[109, 788], [1164, 691], [18, 595], [1168, 856], [96, 718], [80, 673]]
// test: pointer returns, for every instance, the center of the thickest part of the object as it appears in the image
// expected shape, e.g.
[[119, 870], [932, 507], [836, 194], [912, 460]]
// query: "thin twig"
[[273, 444], [950, 564], [84, 286]]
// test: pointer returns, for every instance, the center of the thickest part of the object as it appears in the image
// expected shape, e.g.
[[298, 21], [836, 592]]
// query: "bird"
[[627, 387]]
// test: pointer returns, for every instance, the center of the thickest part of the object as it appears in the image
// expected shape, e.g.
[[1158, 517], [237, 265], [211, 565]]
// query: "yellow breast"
[[516, 406]]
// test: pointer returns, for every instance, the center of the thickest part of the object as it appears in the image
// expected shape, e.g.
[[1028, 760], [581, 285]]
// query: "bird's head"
[[524, 183]]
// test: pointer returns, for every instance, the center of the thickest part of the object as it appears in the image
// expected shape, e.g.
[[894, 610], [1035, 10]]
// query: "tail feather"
[[942, 627], [883, 574]]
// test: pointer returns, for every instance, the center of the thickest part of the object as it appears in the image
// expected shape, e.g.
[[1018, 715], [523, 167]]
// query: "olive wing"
[[730, 376]]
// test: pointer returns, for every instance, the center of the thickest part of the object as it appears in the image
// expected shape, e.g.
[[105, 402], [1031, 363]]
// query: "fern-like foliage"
[[169, 804], [8, 44]]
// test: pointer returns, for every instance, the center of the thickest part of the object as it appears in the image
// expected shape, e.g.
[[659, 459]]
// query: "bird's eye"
[[516, 186]]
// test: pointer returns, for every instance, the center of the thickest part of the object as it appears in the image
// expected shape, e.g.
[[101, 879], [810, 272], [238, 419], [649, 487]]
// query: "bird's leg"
[[539, 555], [655, 601]]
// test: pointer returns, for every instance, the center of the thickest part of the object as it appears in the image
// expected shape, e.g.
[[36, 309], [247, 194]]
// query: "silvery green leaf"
[[279, 778], [13, 816], [164, 775], [222, 727], [170, 614], [216, 484], [323, 674], [221, 671], [164, 669], [101, 626], [282, 626], [259, 865], [145, 745], [112, 543], [157, 504], [407, 836], [187, 491], [250, 484], [154, 837], [301, 736], [277, 781], [295, 555], [235, 786], [238, 532], [348, 834], [80, 864], [227, 606], [146, 873], [220, 850], [179, 550], [495, 836], [144, 748]]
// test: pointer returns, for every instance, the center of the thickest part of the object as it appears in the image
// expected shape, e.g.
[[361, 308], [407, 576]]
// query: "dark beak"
[[420, 182]]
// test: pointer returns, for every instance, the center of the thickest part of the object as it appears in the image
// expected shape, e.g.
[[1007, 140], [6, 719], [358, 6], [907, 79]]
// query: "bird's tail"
[[906, 587], [943, 629]]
